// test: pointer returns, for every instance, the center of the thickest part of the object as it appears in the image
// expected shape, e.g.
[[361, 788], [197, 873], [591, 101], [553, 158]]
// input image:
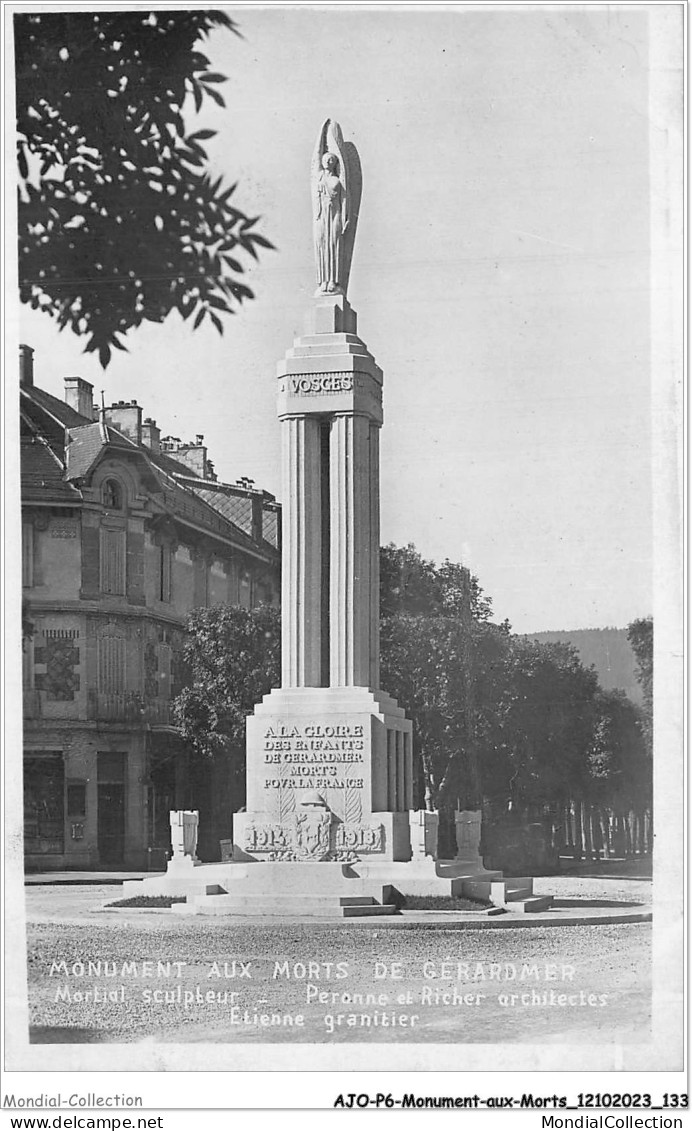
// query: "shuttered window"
[[111, 661], [112, 561]]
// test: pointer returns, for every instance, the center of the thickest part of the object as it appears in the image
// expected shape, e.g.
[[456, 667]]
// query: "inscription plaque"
[[313, 836], [315, 756]]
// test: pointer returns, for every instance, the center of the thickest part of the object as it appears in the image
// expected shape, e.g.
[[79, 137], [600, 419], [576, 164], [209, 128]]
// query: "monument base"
[[277, 887], [329, 778]]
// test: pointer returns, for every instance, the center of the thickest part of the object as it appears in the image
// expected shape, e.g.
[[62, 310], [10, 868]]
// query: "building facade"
[[123, 535]]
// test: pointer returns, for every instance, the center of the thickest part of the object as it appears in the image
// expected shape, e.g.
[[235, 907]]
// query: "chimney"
[[126, 416], [151, 435], [26, 365], [194, 456], [79, 395]]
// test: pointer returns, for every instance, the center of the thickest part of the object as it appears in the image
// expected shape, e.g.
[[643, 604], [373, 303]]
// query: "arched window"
[[112, 495]]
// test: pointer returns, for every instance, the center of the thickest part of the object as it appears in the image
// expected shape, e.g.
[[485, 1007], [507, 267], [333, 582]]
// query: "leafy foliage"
[[608, 649], [620, 770], [426, 666], [233, 658], [640, 634], [411, 585], [119, 219], [543, 720], [519, 723]]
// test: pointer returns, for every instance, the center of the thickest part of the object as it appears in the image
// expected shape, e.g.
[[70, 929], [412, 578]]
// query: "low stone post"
[[423, 826], [468, 832], [184, 826]]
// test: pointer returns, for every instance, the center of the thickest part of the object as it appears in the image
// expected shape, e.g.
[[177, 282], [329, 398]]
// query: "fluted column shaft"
[[354, 551], [301, 553]]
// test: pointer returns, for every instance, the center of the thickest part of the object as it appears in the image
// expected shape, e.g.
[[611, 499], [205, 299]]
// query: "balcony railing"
[[128, 707]]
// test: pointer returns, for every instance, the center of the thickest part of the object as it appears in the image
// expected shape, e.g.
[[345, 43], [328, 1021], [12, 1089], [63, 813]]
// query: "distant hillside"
[[607, 649]]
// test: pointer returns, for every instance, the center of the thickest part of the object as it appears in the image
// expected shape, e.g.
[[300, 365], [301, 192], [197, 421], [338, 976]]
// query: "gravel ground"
[[572, 984]]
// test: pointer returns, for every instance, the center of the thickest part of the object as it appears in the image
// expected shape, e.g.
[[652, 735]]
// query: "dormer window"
[[112, 495]]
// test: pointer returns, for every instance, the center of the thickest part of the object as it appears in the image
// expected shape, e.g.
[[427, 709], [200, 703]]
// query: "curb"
[[425, 920], [62, 882]]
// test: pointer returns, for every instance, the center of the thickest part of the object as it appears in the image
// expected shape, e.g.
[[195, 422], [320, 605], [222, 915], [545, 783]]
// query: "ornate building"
[[123, 534]]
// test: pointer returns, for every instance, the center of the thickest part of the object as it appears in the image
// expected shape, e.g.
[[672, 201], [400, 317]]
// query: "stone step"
[[350, 911], [534, 903], [496, 889], [512, 893], [308, 906]]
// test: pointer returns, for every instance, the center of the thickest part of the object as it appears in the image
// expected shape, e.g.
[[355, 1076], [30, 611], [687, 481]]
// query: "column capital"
[[340, 393]]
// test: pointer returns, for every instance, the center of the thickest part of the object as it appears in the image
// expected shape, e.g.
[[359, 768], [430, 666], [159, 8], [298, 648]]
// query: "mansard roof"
[[235, 506], [60, 449], [188, 504], [61, 412], [42, 474], [86, 443]]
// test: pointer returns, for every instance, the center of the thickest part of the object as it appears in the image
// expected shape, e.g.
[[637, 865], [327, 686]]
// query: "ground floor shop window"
[[161, 796], [111, 807], [44, 802]]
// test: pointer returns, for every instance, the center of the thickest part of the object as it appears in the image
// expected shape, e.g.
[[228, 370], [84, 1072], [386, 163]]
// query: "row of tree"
[[518, 727]]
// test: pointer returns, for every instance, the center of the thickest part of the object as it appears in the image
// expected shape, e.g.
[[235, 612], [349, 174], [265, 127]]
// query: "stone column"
[[354, 569], [301, 553]]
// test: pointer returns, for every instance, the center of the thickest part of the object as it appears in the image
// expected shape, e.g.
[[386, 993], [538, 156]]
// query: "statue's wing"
[[316, 166], [355, 191], [335, 144]]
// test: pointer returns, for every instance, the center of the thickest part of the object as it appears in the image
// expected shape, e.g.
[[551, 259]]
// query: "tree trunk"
[[628, 835], [638, 833], [557, 828], [578, 839], [586, 826], [602, 831], [649, 833], [430, 790], [620, 835], [569, 830], [608, 830]]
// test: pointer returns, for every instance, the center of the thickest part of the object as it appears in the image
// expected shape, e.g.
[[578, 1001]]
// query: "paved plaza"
[[419, 977]]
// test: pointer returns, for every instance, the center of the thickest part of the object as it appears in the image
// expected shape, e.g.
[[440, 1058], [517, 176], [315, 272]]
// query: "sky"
[[501, 276]]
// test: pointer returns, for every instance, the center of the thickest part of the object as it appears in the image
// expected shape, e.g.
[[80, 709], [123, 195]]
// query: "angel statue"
[[336, 186]]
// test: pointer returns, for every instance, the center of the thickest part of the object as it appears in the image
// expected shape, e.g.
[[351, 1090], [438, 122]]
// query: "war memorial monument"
[[329, 826]]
